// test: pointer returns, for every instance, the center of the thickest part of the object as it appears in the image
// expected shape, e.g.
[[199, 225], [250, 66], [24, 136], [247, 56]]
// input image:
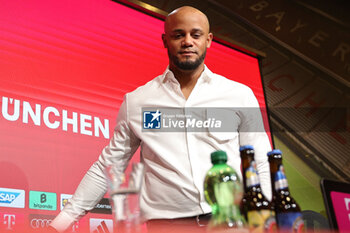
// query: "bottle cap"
[[274, 152], [246, 147], [218, 156]]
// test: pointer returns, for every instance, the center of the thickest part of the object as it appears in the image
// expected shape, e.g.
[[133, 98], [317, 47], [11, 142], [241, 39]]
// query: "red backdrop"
[[77, 58]]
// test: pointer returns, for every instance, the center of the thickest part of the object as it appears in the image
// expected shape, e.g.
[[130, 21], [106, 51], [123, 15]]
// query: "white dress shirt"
[[175, 162]]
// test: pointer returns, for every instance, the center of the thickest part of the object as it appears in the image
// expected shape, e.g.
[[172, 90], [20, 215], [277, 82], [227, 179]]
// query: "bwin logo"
[[152, 119]]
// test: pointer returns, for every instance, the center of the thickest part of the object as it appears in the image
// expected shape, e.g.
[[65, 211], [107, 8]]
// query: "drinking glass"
[[124, 189]]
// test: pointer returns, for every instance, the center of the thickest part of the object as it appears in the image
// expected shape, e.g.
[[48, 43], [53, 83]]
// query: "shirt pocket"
[[223, 137], [230, 122]]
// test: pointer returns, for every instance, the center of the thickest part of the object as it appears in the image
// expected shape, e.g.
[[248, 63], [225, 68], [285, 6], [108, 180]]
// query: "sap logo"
[[12, 198], [8, 197]]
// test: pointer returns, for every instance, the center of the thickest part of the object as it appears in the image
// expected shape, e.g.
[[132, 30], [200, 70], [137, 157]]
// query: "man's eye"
[[196, 36], [177, 36]]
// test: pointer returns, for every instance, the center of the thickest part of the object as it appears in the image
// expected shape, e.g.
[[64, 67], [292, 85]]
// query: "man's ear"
[[164, 41], [209, 39]]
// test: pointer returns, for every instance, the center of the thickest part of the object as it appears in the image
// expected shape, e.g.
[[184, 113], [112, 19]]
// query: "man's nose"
[[187, 41]]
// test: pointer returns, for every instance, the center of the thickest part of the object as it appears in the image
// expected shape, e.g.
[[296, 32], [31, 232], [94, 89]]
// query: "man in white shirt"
[[176, 162]]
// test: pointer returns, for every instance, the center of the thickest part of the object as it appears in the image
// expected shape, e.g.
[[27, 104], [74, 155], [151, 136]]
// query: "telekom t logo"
[[347, 205], [75, 227], [9, 220]]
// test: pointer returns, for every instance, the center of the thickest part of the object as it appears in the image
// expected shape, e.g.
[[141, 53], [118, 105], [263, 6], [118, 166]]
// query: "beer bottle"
[[223, 192], [257, 210], [288, 215]]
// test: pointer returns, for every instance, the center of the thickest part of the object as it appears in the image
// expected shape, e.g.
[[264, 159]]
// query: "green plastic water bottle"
[[223, 191]]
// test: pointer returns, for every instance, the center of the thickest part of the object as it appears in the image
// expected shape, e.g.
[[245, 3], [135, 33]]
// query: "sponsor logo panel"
[[64, 199], [42, 200], [12, 198], [76, 227], [81, 226], [103, 207], [39, 221], [11, 221], [101, 225]]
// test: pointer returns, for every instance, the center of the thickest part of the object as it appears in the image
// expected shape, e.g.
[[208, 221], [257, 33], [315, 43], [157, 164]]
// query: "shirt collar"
[[206, 76]]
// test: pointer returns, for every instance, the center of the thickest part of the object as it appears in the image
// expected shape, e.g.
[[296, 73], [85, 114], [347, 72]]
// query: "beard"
[[187, 65]]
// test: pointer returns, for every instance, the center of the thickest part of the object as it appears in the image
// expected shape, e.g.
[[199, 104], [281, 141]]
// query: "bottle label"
[[251, 175], [280, 179], [262, 221], [290, 222], [228, 195]]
